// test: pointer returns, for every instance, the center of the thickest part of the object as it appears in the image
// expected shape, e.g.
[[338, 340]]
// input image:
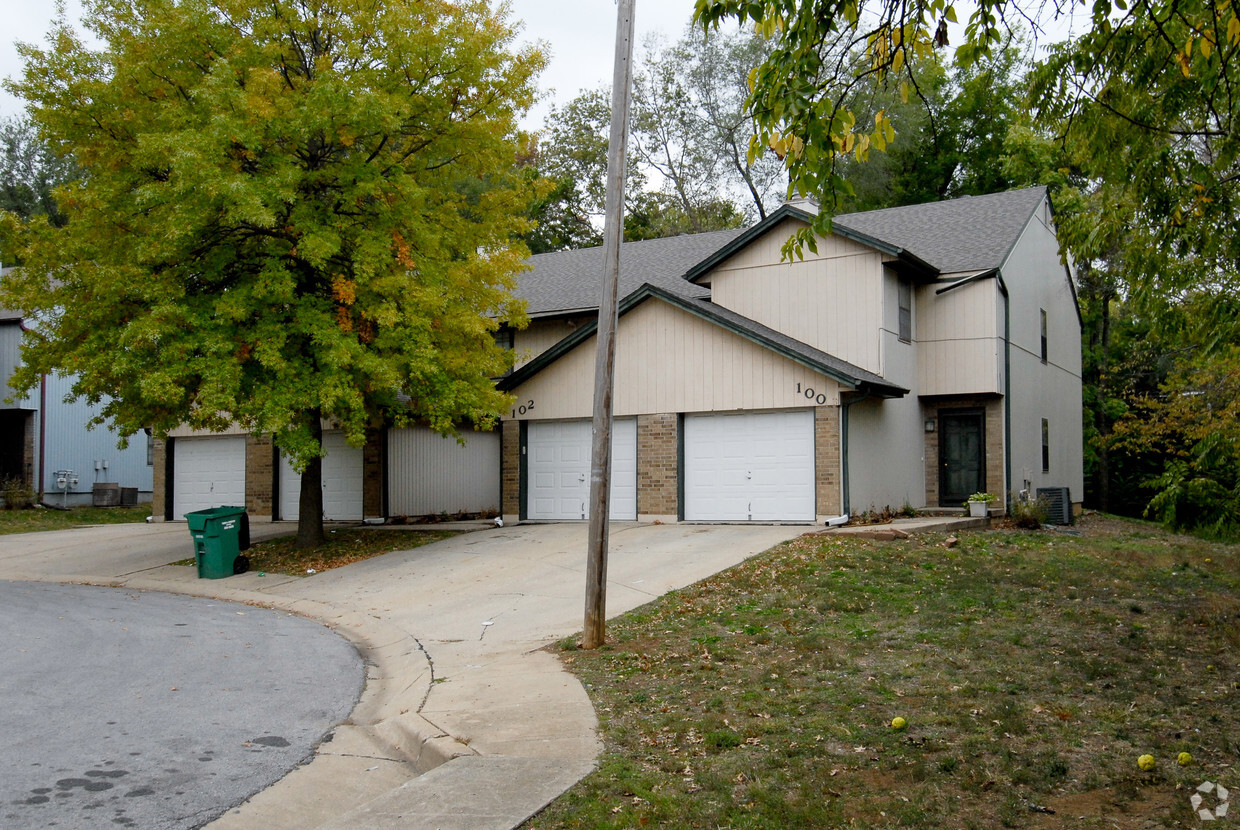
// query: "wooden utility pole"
[[605, 361]]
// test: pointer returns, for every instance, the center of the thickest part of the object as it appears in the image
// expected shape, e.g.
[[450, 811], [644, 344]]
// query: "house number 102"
[[817, 397], [523, 408]]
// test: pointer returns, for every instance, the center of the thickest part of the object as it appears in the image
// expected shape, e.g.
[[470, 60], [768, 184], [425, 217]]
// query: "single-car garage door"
[[342, 482], [750, 466], [558, 470], [207, 472]]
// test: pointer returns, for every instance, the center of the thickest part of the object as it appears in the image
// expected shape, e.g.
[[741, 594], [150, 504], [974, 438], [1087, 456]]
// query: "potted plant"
[[979, 504]]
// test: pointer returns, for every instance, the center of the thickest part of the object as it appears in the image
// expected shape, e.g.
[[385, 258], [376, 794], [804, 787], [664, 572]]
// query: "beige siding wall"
[[832, 300], [668, 360], [959, 339], [541, 335]]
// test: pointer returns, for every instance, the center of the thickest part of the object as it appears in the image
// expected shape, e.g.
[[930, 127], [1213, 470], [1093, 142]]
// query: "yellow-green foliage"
[[287, 211]]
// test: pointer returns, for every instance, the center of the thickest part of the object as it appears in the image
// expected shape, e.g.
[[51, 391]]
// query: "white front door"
[[342, 482], [558, 470], [750, 466], [207, 472]]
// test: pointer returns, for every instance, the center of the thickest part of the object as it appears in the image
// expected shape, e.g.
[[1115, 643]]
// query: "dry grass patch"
[[343, 547], [1033, 668]]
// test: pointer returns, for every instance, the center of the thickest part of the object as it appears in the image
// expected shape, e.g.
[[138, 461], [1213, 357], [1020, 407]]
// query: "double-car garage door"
[[738, 467], [210, 472]]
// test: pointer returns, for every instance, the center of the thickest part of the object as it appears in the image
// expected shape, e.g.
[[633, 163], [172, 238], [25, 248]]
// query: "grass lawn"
[[343, 547], [1032, 668], [38, 519]]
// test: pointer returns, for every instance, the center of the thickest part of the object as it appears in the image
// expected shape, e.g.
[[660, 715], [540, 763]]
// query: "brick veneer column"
[[827, 460], [657, 465], [159, 485], [510, 468], [374, 471], [259, 481]]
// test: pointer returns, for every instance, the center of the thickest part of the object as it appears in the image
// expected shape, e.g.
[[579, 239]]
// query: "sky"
[[581, 35]]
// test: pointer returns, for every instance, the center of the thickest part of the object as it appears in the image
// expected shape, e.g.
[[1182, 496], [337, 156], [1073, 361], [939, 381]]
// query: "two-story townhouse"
[[921, 354], [42, 434]]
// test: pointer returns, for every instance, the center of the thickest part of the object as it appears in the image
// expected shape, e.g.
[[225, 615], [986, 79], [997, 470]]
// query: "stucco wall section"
[[510, 467], [259, 475], [827, 460], [994, 446], [657, 465]]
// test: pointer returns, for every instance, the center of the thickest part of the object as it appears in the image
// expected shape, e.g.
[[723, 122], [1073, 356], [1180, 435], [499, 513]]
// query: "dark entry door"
[[962, 455]]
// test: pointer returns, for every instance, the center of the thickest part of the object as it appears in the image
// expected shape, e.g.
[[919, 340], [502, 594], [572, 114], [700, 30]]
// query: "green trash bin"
[[217, 534]]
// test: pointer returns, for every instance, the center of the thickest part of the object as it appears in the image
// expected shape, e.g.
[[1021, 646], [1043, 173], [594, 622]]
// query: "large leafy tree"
[[293, 212]]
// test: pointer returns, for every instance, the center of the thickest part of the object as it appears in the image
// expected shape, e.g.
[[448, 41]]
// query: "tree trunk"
[[310, 506]]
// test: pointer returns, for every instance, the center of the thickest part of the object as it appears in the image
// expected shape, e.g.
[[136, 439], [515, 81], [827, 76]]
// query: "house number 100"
[[523, 408], [817, 397]]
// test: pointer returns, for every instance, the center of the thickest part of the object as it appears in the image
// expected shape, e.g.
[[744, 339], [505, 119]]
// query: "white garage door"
[[429, 473], [558, 470], [207, 472], [342, 482], [750, 466]]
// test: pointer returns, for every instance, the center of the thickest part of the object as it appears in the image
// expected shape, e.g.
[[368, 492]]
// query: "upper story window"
[[1046, 446], [504, 337], [1043, 313], [905, 292]]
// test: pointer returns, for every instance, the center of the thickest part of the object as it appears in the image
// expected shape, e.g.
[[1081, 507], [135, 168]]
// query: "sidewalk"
[[466, 721]]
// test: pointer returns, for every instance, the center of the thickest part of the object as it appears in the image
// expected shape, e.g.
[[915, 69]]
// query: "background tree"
[[280, 221], [1136, 122], [30, 171], [949, 139], [687, 167]]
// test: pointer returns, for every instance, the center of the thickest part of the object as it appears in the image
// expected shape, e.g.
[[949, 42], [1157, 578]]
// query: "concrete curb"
[[465, 720]]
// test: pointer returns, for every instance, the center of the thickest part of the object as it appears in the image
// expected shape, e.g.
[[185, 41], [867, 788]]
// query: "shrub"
[[1029, 513], [17, 494]]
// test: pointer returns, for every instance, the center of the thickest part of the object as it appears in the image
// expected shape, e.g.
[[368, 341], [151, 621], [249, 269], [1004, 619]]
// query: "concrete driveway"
[[465, 722]]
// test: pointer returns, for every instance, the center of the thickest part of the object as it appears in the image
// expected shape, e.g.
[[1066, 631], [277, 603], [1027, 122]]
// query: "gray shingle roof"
[[966, 234], [572, 280]]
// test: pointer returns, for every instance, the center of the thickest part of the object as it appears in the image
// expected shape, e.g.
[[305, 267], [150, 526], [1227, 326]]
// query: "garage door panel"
[[558, 470], [750, 466], [342, 473], [207, 472]]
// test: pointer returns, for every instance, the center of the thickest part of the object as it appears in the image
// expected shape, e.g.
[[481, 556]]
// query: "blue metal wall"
[[68, 445]]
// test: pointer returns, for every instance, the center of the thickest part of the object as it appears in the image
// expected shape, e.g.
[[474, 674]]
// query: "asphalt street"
[[123, 708]]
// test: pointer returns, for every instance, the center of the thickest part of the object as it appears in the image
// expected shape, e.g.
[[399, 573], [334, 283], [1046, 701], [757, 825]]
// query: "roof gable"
[[802, 353]]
